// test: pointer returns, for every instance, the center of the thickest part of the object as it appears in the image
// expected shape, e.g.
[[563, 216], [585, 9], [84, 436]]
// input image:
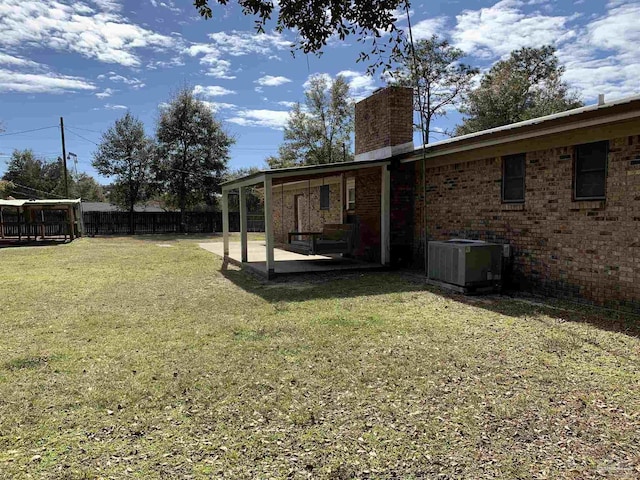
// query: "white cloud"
[[600, 57], [108, 5], [426, 28], [217, 106], [132, 82], [105, 36], [11, 81], [271, 81], [10, 60], [275, 119], [109, 106], [172, 62], [360, 84], [287, 104], [234, 43], [326, 77], [216, 67], [237, 43], [618, 30], [211, 91], [504, 27], [169, 5], [617, 72], [107, 92]]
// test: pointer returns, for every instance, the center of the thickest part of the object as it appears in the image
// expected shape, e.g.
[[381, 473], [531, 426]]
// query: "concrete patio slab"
[[286, 262]]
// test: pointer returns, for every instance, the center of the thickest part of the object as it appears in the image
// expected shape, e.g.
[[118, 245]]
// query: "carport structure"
[[45, 219], [306, 199]]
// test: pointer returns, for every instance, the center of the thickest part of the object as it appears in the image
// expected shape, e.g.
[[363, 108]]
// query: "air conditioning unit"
[[469, 265]]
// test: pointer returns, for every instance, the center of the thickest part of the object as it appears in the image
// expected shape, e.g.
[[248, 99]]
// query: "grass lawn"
[[120, 357]]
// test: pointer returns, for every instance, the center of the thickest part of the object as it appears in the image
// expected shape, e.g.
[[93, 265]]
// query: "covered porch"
[[40, 220], [317, 218]]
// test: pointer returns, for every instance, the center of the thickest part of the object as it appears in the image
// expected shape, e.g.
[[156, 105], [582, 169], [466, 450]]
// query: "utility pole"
[[64, 160]]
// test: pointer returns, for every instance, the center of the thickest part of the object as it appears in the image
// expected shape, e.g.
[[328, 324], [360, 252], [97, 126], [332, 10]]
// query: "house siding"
[[561, 247]]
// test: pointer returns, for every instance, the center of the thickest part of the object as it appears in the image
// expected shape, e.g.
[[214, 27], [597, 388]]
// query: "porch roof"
[[303, 171], [45, 202]]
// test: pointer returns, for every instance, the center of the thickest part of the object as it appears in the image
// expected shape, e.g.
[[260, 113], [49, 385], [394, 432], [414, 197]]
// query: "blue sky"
[[91, 60]]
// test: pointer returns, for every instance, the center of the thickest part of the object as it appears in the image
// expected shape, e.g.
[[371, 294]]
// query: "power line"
[[36, 190], [83, 138], [85, 129], [27, 131]]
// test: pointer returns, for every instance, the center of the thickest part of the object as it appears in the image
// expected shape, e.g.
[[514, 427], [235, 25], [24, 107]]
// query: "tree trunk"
[[183, 202], [132, 224]]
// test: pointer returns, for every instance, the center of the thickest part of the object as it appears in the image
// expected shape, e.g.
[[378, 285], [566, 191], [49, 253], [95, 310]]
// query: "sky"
[[91, 61]]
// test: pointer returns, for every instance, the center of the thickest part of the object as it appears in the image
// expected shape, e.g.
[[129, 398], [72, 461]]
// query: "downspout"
[[425, 137]]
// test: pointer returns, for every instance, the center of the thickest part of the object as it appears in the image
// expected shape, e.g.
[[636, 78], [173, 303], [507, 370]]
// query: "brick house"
[[562, 190]]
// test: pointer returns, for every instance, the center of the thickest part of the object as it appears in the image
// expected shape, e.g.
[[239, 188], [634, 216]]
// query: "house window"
[[324, 197], [351, 194], [590, 175], [513, 174]]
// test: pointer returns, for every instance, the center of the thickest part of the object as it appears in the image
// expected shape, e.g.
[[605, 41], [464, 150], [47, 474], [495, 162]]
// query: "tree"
[[526, 85], [34, 177], [254, 198], [321, 132], [5, 188], [193, 151], [316, 21], [126, 153], [86, 188], [437, 77]]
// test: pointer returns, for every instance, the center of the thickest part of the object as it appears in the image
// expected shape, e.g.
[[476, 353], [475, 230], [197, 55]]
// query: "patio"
[[285, 262], [318, 201]]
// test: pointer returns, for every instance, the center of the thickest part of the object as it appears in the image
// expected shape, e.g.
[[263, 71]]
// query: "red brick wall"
[[384, 119], [580, 249], [402, 213], [313, 218], [367, 212]]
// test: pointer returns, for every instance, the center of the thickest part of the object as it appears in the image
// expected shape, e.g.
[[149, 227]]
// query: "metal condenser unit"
[[470, 265]]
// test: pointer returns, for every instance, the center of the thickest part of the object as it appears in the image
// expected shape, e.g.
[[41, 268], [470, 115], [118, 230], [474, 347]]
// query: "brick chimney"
[[384, 123]]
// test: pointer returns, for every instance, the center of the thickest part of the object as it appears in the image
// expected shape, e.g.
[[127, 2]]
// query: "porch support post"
[[72, 223], [225, 222], [243, 224], [342, 205], [385, 218], [268, 225]]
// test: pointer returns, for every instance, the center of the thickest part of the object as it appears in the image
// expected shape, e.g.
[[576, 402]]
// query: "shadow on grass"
[[31, 243], [164, 237], [177, 237], [317, 286]]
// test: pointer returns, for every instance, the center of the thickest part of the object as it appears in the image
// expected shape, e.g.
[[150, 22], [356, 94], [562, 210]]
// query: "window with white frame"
[[351, 194]]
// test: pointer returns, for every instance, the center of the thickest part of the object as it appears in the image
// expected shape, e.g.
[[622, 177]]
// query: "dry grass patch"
[[123, 358]]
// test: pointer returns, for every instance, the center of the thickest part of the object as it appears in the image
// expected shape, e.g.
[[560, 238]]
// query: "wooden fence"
[[47, 223], [115, 223]]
